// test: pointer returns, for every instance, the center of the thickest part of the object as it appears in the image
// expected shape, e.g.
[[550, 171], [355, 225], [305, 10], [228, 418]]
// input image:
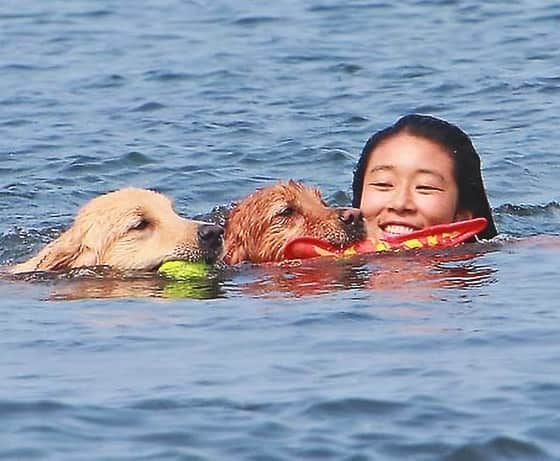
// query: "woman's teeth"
[[398, 229]]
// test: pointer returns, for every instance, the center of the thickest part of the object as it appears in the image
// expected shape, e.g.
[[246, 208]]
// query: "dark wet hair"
[[472, 195]]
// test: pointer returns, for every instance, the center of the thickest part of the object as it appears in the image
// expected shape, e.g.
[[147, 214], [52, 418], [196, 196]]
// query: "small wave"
[[164, 404], [256, 20], [94, 14], [411, 72], [168, 76], [136, 159], [9, 408], [148, 107], [526, 220], [17, 242], [351, 407], [497, 449], [338, 317], [19, 67], [16, 122], [105, 81], [348, 69], [551, 208], [355, 120], [339, 198], [83, 164], [348, 7], [218, 215]]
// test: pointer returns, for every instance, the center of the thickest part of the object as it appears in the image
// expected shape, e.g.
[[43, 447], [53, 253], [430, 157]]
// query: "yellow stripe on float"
[[383, 246], [413, 243], [432, 240]]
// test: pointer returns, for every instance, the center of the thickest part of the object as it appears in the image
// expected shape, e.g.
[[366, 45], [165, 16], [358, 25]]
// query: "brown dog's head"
[[129, 229], [260, 225]]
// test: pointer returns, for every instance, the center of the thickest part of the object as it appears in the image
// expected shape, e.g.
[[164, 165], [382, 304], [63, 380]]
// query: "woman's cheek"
[[371, 228], [370, 216], [438, 208], [370, 213]]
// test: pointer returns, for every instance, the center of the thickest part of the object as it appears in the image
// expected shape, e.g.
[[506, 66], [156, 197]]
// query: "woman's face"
[[408, 185]]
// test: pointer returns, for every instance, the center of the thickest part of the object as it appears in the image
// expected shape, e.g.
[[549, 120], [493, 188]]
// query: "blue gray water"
[[451, 355]]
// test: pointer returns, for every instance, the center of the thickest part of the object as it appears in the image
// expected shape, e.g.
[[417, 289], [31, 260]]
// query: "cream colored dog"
[[129, 229]]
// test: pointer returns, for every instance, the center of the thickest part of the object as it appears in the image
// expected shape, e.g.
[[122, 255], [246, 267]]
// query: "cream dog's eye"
[[141, 224]]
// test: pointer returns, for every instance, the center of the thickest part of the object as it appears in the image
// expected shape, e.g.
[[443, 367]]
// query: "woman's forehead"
[[410, 153]]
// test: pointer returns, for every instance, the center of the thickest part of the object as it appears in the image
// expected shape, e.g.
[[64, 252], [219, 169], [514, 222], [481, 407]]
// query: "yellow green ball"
[[183, 269]]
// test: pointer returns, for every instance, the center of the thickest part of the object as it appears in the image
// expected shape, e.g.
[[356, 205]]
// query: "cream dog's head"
[[129, 229]]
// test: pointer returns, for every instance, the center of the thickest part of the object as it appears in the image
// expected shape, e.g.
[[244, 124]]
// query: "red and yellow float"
[[438, 236]]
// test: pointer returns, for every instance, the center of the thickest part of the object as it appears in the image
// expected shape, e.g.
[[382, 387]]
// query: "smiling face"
[[409, 184]]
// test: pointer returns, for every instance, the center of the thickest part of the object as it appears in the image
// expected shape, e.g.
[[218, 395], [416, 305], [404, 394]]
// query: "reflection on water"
[[103, 282], [305, 278], [414, 274], [155, 287], [453, 268]]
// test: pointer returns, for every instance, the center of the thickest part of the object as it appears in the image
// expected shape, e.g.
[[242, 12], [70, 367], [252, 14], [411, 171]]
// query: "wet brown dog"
[[129, 229], [260, 225]]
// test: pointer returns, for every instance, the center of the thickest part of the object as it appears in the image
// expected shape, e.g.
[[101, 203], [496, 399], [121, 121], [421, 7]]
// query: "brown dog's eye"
[[287, 211]]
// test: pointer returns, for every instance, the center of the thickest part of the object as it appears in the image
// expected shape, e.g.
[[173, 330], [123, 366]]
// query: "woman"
[[419, 172]]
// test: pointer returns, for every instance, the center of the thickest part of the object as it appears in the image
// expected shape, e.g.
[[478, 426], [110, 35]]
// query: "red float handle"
[[438, 236]]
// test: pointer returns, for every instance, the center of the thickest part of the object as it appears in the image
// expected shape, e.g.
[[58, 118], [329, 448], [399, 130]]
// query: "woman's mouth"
[[398, 229]]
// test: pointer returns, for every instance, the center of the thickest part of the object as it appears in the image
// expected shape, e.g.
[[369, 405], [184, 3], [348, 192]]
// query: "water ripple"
[[42, 407], [421, 356], [499, 448], [550, 209], [352, 407], [256, 20], [148, 107], [168, 76]]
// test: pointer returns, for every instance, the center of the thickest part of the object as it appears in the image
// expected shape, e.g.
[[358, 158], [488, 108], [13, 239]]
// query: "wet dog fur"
[[260, 225], [129, 229]]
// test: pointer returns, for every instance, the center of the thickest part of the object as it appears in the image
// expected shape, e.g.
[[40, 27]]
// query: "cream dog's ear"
[[66, 252]]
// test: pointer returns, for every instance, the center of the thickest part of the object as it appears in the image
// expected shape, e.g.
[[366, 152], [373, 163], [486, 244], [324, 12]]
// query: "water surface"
[[447, 355]]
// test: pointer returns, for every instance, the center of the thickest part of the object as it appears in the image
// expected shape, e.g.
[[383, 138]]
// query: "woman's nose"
[[402, 200]]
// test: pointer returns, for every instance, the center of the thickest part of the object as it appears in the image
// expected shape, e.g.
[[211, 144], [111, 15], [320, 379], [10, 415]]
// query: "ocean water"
[[447, 355]]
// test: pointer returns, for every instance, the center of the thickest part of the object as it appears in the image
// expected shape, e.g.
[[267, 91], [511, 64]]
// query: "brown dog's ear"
[[235, 254], [66, 252], [234, 239], [234, 247]]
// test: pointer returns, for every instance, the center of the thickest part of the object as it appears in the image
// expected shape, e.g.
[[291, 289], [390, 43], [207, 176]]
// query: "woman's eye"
[[381, 185], [427, 188]]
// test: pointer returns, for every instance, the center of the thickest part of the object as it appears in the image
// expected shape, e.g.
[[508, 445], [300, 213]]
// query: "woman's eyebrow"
[[433, 173], [382, 168], [438, 175]]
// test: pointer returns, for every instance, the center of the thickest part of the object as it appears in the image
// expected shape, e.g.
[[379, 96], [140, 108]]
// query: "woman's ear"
[[463, 215]]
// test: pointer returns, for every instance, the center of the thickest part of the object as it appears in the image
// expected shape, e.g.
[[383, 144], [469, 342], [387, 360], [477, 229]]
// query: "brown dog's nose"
[[351, 216], [210, 235]]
